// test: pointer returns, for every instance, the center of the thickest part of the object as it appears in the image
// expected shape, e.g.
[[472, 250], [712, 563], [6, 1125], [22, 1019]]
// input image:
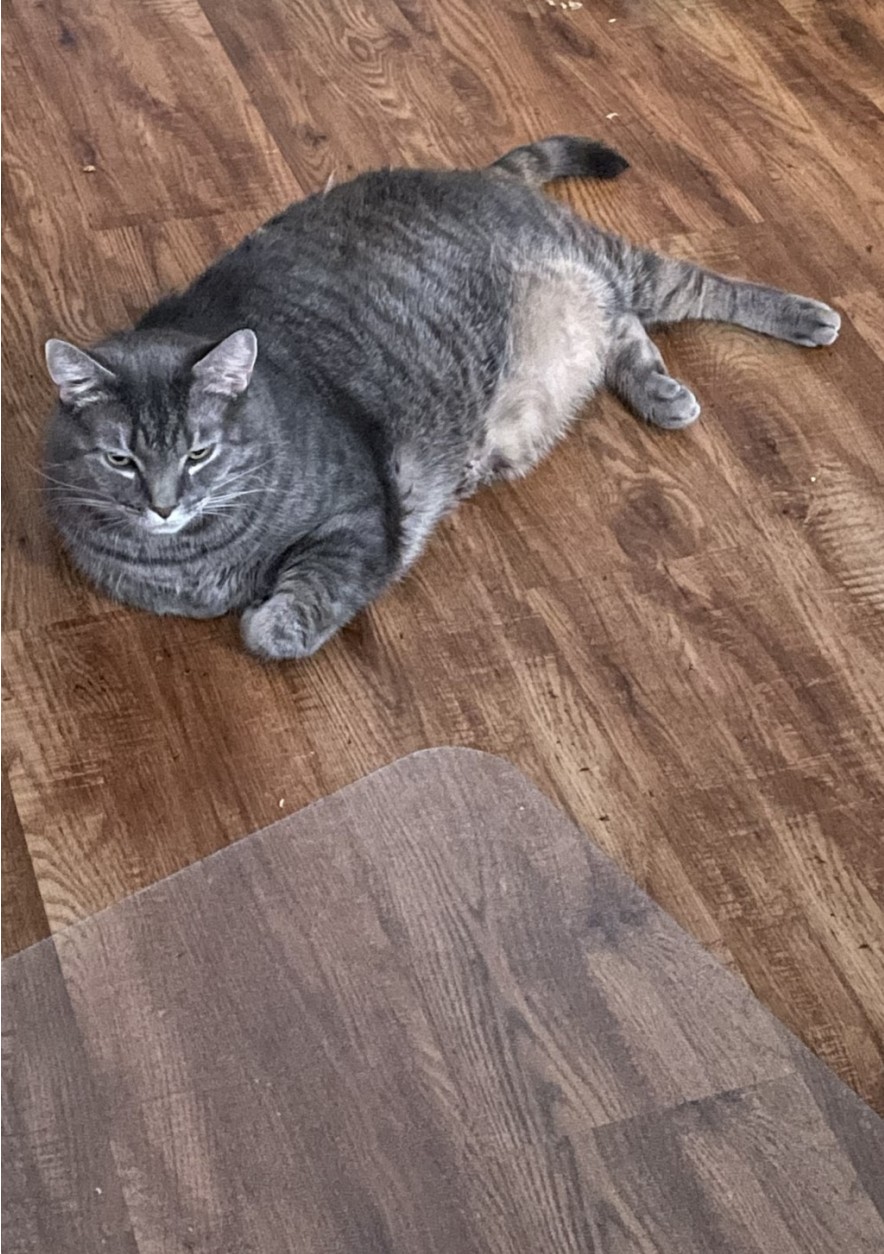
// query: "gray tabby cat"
[[281, 438]]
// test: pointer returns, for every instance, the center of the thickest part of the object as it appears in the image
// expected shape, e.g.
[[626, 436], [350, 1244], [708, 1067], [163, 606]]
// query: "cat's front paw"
[[809, 323], [275, 630]]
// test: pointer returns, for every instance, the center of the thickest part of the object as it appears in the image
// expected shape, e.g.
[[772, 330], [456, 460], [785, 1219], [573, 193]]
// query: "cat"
[[281, 438]]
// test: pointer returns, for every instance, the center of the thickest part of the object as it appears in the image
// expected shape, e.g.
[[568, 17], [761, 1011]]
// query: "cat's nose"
[[162, 511]]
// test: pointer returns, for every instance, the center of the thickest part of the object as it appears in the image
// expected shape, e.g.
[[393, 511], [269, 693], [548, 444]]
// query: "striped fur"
[[419, 333]]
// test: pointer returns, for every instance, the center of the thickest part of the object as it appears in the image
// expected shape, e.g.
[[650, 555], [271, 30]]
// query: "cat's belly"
[[560, 337]]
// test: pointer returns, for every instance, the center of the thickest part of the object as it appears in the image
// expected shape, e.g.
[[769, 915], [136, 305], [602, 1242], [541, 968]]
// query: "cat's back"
[[401, 278], [395, 287], [465, 208], [430, 229]]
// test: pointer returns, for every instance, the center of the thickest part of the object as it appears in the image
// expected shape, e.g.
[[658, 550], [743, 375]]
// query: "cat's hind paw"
[[667, 403], [809, 323]]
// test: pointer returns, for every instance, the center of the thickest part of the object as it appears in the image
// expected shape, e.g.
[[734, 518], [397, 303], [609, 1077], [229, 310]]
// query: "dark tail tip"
[[562, 157], [608, 163]]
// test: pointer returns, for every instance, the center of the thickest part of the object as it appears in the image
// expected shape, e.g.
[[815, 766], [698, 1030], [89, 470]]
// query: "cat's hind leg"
[[636, 373], [663, 289]]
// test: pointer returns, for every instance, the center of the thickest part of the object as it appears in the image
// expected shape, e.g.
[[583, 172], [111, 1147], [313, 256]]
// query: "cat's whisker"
[[249, 470], [61, 482], [235, 496], [62, 494], [102, 502]]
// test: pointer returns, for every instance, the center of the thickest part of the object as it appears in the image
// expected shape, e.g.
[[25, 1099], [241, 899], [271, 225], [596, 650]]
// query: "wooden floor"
[[680, 637], [438, 1019]]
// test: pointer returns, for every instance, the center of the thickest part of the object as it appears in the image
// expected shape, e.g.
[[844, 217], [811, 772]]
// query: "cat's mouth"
[[156, 525]]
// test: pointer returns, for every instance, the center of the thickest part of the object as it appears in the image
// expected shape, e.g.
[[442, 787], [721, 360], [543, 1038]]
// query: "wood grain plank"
[[681, 638], [24, 915], [690, 1174], [425, 1013], [153, 60], [61, 1189]]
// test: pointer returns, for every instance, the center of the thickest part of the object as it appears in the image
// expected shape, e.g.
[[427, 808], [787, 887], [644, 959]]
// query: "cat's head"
[[151, 430]]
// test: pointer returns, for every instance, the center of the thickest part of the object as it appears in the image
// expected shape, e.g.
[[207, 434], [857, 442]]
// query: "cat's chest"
[[194, 588]]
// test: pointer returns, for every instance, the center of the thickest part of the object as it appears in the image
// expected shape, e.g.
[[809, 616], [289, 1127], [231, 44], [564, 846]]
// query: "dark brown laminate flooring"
[[426, 1014], [680, 638]]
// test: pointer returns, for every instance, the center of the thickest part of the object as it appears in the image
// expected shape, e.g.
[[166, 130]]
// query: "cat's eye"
[[199, 454], [118, 459]]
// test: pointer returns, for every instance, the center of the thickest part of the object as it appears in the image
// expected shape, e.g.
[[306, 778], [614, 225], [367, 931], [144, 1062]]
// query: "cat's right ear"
[[227, 369], [80, 379]]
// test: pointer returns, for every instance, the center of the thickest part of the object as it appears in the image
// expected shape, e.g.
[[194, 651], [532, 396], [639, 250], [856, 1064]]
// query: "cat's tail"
[[561, 157]]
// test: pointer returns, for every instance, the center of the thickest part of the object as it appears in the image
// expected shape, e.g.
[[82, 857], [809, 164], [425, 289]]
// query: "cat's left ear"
[[80, 379], [227, 368]]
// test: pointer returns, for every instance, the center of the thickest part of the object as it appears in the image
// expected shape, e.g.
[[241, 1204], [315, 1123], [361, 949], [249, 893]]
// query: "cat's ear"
[[80, 379], [227, 368]]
